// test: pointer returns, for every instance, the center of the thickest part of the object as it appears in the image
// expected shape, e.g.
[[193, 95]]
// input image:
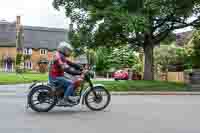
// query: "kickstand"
[[27, 106]]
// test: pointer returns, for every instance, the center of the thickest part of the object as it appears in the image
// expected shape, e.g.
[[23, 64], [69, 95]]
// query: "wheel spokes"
[[94, 102], [40, 99], [36, 103]]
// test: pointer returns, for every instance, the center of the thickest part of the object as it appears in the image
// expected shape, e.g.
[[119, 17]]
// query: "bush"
[[19, 59], [43, 65], [43, 68]]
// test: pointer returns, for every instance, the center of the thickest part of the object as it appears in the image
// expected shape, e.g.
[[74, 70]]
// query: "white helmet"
[[65, 48]]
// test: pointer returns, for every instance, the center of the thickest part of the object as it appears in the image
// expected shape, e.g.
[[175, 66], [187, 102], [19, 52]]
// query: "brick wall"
[[36, 57], [10, 51]]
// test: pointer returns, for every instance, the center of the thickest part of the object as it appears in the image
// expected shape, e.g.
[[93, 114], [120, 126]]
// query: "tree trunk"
[[148, 66], [107, 75]]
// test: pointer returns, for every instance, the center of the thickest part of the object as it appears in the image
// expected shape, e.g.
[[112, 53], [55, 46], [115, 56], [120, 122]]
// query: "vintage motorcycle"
[[95, 96]]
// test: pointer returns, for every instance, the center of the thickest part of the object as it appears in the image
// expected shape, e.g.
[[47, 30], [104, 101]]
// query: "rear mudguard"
[[82, 100]]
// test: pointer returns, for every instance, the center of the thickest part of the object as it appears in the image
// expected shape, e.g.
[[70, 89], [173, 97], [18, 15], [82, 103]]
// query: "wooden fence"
[[173, 76]]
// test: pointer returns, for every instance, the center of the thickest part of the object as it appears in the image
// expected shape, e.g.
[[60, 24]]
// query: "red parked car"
[[121, 75]]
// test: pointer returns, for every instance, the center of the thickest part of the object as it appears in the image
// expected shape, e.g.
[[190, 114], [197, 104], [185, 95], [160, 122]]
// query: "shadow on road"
[[66, 111]]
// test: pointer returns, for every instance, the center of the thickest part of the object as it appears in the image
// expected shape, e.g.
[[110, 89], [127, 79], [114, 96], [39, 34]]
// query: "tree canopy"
[[143, 23]]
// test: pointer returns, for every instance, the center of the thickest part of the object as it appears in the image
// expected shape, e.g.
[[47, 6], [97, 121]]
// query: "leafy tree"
[[143, 23], [101, 61], [91, 56], [170, 39], [108, 59], [123, 57], [170, 55], [196, 50]]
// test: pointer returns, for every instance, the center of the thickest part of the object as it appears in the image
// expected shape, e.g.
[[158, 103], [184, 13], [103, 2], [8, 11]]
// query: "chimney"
[[18, 23], [19, 45], [19, 34]]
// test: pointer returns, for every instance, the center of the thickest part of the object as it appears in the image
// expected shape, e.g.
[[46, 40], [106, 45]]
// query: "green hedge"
[[143, 85]]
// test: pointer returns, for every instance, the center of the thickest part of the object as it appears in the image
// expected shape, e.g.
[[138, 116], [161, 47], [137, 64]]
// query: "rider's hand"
[[84, 71], [82, 75], [81, 69]]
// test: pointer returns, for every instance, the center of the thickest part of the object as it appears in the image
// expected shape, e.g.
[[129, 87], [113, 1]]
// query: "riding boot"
[[66, 102], [74, 99]]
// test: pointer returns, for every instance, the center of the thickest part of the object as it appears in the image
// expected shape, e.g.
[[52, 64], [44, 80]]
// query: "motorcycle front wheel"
[[100, 101]]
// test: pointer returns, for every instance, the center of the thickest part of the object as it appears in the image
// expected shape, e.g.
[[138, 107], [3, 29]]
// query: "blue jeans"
[[68, 86]]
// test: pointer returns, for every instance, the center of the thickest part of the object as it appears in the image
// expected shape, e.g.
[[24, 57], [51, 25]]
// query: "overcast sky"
[[36, 13], [33, 13]]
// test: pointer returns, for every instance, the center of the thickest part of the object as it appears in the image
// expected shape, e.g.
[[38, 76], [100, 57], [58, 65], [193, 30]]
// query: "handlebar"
[[87, 75]]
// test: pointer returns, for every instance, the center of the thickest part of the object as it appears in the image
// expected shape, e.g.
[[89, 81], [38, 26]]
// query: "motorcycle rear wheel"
[[45, 93]]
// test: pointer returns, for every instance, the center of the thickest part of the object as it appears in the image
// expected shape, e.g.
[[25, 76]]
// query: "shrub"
[[43, 65]]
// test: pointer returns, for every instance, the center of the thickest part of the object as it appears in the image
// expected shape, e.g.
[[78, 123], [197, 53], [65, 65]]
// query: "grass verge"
[[13, 78]]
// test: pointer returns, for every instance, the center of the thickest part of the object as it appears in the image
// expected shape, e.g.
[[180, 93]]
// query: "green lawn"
[[13, 78]]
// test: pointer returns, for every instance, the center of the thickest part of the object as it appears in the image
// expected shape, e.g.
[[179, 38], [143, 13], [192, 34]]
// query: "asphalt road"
[[126, 114]]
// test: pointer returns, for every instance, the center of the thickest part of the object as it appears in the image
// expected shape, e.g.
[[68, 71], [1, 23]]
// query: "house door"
[[8, 64]]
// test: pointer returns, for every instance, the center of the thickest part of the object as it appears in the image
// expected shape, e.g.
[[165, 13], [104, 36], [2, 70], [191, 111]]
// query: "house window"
[[28, 65], [27, 51], [43, 51]]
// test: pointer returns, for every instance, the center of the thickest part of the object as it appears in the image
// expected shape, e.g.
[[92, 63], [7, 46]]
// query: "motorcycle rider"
[[60, 65]]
